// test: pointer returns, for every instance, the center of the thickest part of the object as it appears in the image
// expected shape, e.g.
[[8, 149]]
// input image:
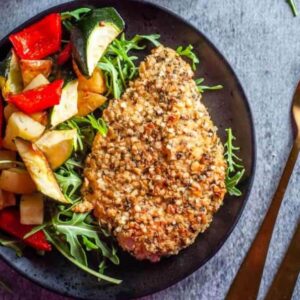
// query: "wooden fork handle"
[[247, 281], [286, 278]]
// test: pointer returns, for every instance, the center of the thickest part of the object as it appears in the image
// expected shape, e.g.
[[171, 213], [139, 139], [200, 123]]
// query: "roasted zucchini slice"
[[57, 145], [91, 36], [39, 170]]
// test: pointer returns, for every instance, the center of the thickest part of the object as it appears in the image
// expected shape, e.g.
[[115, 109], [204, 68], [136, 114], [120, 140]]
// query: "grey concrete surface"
[[261, 40]]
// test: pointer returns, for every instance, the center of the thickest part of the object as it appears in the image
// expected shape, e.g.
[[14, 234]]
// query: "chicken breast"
[[158, 177]]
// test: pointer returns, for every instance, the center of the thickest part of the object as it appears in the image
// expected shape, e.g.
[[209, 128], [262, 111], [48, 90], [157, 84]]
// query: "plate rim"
[[252, 170]]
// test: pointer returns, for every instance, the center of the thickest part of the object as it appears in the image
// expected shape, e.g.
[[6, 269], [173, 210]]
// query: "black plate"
[[228, 108]]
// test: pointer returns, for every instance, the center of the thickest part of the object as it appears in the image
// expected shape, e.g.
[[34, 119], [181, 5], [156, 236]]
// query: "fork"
[[247, 281]]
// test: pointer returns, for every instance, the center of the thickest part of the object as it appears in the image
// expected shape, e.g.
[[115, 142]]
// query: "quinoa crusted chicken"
[[158, 177]]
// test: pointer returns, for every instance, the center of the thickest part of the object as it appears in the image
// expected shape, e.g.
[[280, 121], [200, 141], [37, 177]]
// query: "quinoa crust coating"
[[158, 177]]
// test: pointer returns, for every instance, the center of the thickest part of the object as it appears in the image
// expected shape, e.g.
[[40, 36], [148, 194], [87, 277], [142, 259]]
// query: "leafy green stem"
[[293, 7], [189, 53], [235, 170], [65, 253], [202, 88]]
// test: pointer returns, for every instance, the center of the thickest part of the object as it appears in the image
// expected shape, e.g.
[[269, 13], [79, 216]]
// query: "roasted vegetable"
[[38, 99], [21, 125], [31, 68], [36, 82], [39, 169], [17, 181], [12, 82], [9, 109], [10, 223], [32, 209], [41, 117], [7, 199], [95, 84], [91, 36], [67, 107], [57, 145], [88, 102], [64, 55], [40, 39]]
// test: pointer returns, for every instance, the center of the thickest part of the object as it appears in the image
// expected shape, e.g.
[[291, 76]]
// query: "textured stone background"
[[261, 40]]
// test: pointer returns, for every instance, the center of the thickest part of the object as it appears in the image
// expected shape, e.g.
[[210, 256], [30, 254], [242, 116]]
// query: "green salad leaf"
[[68, 17], [118, 64], [189, 53], [70, 181], [69, 175], [235, 170], [13, 244], [62, 247], [202, 88], [75, 234]]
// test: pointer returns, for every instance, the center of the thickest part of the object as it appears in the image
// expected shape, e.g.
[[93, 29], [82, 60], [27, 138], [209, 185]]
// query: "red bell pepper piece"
[[40, 39], [38, 99], [10, 223], [64, 55]]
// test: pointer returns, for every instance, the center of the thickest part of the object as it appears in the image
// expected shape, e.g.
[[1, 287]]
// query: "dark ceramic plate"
[[228, 108]]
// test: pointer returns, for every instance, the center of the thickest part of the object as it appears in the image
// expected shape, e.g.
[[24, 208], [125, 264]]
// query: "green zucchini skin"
[[5, 65], [81, 32]]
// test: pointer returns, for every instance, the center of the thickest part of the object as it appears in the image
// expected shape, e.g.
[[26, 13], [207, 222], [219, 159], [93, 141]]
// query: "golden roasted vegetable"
[[17, 181], [95, 84], [57, 145], [21, 125], [7, 155], [31, 68], [32, 209], [36, 82], [88, 102], [12, 83], [41, 117], [67, 107], [39, 169], [9, 109], [7, 199]]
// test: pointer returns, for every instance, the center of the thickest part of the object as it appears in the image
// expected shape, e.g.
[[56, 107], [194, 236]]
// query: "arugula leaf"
[[63, 249], [119, 66], [86, 128], [293, 7], [69, 181], [76, 14], [235, 170], [14, 244], [153, 38], [102, 266], [203, 88], [68, 17], [98, 125], [74, 225], [78, 139], [188, 52], [34, 230], [73, 234], [112, 77], [89, 244]]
